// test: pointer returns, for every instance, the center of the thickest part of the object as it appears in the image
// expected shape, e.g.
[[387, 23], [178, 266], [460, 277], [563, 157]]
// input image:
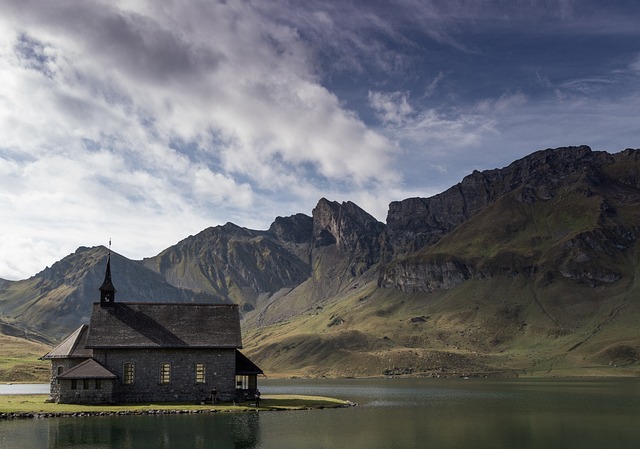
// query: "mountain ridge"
[[505, 272]]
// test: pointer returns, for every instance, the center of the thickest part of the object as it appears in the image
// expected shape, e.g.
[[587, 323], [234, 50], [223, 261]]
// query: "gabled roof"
[[161, 325], [89, 369], [244, 366], [72, 347]]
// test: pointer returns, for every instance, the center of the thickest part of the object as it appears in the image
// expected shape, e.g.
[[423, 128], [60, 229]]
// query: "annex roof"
[[71, 347], [245, 366], [164, 325], [89, 369]]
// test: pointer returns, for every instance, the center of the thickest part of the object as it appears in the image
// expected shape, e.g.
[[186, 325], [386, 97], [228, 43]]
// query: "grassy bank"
[[19, 360], [36, 405]]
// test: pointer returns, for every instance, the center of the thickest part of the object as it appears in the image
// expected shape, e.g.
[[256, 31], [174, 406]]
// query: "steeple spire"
[[107, 290]]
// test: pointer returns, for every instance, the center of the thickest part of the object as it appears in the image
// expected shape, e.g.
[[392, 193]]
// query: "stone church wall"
[[61, 366], [219, 373], [85, 391]]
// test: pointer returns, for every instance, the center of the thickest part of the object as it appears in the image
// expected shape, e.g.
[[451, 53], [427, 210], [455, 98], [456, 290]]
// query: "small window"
[[98, 384], [200, 373], [242, 382], [165, 373], [74, 384], [85, 384], [128, 373], [60, 370]]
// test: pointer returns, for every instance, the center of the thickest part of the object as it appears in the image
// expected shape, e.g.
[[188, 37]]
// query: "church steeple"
[[107, 290]]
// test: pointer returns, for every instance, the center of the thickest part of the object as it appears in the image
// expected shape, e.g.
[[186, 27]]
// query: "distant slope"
[[19, 360], [58, 299]]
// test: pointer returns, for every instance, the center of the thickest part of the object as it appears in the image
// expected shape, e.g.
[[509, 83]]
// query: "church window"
[[128, 373], [165, 373], [242, 382], [200, 373]]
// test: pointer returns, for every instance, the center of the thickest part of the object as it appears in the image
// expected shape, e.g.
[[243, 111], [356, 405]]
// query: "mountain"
[[568, 212], [49, 305], [527, 269], [239, 264]]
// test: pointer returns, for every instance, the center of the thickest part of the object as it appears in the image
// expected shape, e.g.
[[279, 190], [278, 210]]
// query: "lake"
[[391, 413]]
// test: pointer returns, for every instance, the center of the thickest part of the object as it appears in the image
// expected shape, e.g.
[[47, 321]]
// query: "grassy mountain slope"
[[238, 264], [57, 300], [19, 360], [541, 279], [504, 325], [531, 269]]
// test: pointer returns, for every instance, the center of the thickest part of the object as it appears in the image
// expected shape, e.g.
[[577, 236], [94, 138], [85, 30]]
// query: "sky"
[[145, 122]]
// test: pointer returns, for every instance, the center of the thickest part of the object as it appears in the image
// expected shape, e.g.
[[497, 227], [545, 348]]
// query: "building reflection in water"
[[198, 431]]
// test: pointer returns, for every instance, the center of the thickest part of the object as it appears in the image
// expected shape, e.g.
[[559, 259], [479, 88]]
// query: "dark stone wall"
[[86, 393], [66, 365], [219, 374]]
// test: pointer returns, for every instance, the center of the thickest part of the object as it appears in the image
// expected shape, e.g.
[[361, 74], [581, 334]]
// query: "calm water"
[[403, 414]]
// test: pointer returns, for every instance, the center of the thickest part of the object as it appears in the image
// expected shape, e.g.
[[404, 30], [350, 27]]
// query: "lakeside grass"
[[36, 404]]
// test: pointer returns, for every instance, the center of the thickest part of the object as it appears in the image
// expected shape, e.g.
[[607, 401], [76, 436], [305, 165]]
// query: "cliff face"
[[565, 201], [354, 232], [418, 222]]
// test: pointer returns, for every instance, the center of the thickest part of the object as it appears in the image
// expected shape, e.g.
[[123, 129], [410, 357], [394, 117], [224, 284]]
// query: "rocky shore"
[[245, 409]]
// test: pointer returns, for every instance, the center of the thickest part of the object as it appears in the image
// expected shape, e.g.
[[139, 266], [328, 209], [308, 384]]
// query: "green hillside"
[[504, 326], [527, 270]]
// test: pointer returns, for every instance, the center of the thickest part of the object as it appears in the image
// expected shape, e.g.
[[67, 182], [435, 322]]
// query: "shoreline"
[[16, 407]]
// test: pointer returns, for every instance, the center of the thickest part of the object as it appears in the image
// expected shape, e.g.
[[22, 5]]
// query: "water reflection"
[[232, 431]]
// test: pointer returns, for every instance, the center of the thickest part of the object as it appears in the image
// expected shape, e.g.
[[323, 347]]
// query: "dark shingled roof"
[[154, 325], [246, 366], [72, 347], [89, 369]]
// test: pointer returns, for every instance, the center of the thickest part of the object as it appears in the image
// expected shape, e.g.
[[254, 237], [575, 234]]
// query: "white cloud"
[[147, 121], [154, 120], [393, 108]]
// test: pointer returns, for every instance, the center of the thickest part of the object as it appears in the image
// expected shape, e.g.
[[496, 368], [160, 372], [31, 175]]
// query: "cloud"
[[118, 115], [146, 121], [392, 108], [438, 129]]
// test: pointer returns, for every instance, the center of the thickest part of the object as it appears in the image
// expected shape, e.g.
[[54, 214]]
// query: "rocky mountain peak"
[[343, 224], [553, 208], [418, 222], [296, 229], [352, 231]]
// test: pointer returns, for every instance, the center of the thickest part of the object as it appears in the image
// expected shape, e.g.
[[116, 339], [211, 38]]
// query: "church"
[[133, 352]]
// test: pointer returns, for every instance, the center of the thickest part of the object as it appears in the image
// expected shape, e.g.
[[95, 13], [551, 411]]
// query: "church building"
[[152, 352]]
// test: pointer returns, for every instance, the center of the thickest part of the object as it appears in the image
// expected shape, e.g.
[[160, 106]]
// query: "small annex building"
[[152, 352]]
